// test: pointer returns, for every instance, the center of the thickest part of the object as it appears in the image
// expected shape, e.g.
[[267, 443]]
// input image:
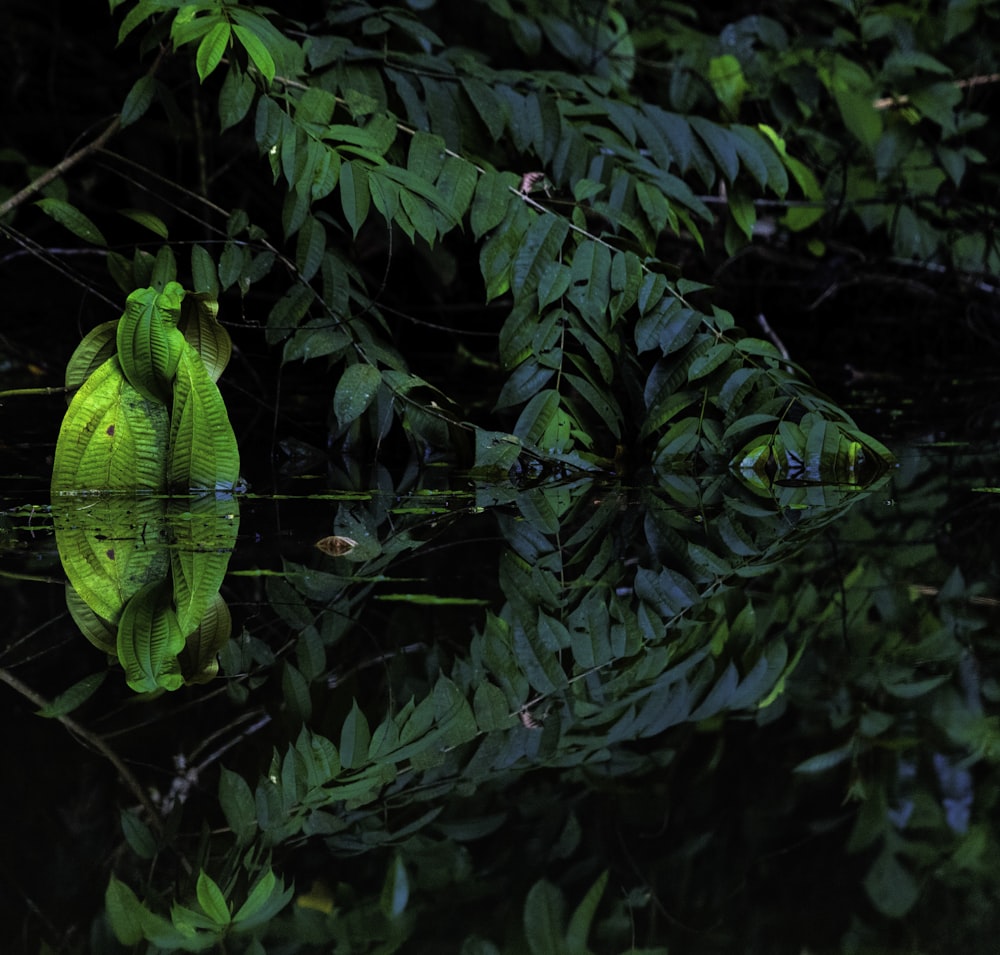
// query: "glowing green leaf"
[[203, 533], [149, 640], [201, 329], [111, 437], [211, 49], [124, 912], [211, 899], [203, 451], [149, 344], [100, 632], [258, 53], [97, 347]]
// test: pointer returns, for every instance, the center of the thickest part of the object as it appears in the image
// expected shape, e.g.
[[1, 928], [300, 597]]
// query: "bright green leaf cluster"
[[146, 418]]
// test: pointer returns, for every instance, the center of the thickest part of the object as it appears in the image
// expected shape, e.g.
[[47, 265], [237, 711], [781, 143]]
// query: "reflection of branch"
[[927, 590], [124, 773], [888, 101], [335, 678]]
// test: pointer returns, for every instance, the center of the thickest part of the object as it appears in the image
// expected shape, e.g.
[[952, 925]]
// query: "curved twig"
[[124, 773], [56, 171]]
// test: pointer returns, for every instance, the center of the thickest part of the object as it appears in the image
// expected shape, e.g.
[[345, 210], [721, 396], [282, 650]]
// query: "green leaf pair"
[[148, 415]]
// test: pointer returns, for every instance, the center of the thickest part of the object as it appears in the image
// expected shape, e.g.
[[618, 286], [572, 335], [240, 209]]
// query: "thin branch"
[[82, 153], [888, 101], [49, 256], [773, 336], [12, 392], [124, 773], [36, 185]]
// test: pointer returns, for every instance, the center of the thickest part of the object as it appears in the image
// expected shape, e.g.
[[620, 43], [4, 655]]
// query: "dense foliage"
[[482, 233]]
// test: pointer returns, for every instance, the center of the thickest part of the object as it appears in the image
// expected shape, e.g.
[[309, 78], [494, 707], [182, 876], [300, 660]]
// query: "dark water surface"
[[664, 714]]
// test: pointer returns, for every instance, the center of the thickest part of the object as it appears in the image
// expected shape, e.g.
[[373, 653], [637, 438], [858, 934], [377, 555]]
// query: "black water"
[[855, 812]]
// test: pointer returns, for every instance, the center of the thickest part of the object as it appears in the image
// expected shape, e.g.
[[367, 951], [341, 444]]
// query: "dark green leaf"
[[267, 898], [891, 887], [235, 97], [355, 391], [537, 252], [310, 247], [824, 761], [138, 835], [73, 219], [583, 917], [395, 890], [138, 100], [355, 738], [295, 690], [491, 708], [204, 277], [721, 144], [75, 696], [355, 196], [494, 193], [544, 915], [288, 312], [237, 803]]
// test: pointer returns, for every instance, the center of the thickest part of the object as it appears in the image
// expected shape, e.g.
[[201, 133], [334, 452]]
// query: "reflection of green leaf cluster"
[[899, 678], [619, 622], [194, 930], [145, 570], [144, 576]]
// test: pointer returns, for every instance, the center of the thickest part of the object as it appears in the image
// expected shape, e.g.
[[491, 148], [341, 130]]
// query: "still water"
[[523, 712]]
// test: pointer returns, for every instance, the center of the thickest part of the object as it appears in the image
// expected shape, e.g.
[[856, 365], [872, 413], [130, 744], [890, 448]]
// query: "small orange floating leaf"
[[336, 546]]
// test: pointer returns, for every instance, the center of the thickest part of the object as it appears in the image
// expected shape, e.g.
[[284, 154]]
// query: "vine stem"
[[124, 773], [12, 392]]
